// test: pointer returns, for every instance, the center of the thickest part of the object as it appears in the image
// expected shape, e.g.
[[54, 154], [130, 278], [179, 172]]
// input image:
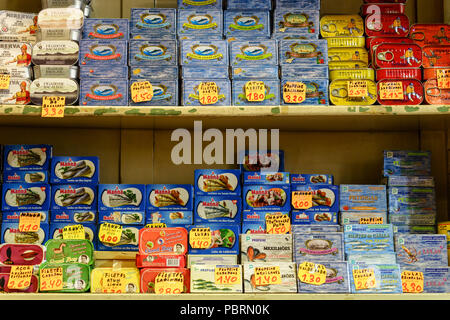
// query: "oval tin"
[[382, 8], [58, 34], [21, 254], [412, 93], [54, 87], [436, 95], [348, 54], [17, 72], [129, 285], [354, 74], [55, 53], [390, 25], [399, 73], [389, 55], [425, 34], [341, 26], [61, 18], [18, 92], [69, 72], [76, 276], [339, 94], [4, 278], [436, 56], [18, 54], [373, 42]]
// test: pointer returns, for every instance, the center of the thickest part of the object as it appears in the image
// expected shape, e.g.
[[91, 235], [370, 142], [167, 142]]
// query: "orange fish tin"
[[399, 55], [160, 261], [382, 8], [148, 279], [431, 73], [398, 73], [425, 34], [410, 92], [388, 25], [163, 241], [436, 56], [434, 94]]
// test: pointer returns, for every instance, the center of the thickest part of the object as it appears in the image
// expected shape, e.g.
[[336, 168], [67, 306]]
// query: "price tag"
[[357, 89], [392, 90], [4, 81], [110, 233], [443, 78], [302, 200], [141, 91], [53, 106], [377, 220], [278, 223], [20, 277], [312, 273], [364, 279], [255, 91], [200, 238], [74, 232], [29, 221], [267, 275], [230, 275], [156, 225], [169, 283], [113, 281], [51, 279], [294, 92], [208, 93], [412, 282]]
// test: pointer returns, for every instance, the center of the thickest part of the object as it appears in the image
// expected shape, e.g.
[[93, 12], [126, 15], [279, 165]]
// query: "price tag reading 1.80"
[[364, 279], [357, 88], [278, 223], [302, 200], [208, 93], [51, 279], [110, 233], [392, 90], [267, 275], [412, 281], [141, 91], [20, 277], [53, 106], [255, 91], [200, 238], [227, 275], [312, 273], [294, 92], [169, 283], [29, 221]]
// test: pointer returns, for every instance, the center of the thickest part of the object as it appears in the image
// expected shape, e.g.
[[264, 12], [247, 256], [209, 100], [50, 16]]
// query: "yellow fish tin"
[[352, 42], [354, 74], [348, 54], [120, 280], [335, 65], [341, 26], [339, 94]]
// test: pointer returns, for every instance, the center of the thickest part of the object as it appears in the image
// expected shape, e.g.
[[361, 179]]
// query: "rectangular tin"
[[364, 238], [196, 259], [25, 177], [18, 92], [103, 72], [325, 197], [435, 95], [76, 216], [425, 34], [66, 88], [148, 278], [154, 73], [18, 23], [153, 53], [421, 250], [190, 94], [226, 182], [266, 197], [63, 52], [412, 200], [14, 216], [16, 54], [363, 198], [126, 197], [171, 217], [59, 34], [128, 241], [74, 170], [225, 239], [304, 4], [163, 241], [293, 21], [368, 9], [267, 161], [74, 197], [253, 72], [103, 52], [304, 72], [421, 219], [254, 178], [266, 248], [407, 163], [62, 17], [26, 157], [17, 72], [112, 29], [196, 4], [259, 216], [253, 52], [272, 93], [414, 229], [399, 73], [354, 74], [218, 209], [348, 54], [337, 280], [372, 258], [203, 279], [103, 92], [11, 234], [373, 42], [436, 280], [316, 92], [36, 196], [387, 278], [153, 23], [436, 56], [299, 228], [254, 227], [411, 181], [90, 231], [389, 25], [165, 93], [203, 52], [314, 217], [303, 52], [288, 278], [399, 55], [318, 247], [200, 23], [160, 261], [46, 71], [169, 197], [247, 24], [349, 217], [354, 42], [336, 65], [122, 217], [197, 73], [341, 26]]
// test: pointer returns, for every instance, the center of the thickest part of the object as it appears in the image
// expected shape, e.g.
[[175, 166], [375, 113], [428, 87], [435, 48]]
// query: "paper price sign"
[[255, 91], [278, 223], [200, 238], [377, 220], [267, 275], [412, 282], [391, 90], [364, 279], [169, 283], [443, 78], [51, 279], [302, 200], [20, 277], [53, 106], [294, 92], [229, 276], [74, 232], [208, 93], [141, 91], [156, 225], [312, 273], [357, 88], [4, 81], [113, 281], [110, 233], [29, 221]]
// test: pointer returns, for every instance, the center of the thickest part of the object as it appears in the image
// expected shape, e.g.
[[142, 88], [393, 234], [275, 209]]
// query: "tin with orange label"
[[434, 94], [387, 25], [399, 55], [163, 241], [412, 92], [425, 34], [436, 56], [382, 8], [148, 280], [399, 73], [431, 73]]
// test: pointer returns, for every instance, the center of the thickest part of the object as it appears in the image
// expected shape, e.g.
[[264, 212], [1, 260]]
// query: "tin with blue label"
[[100, 72], [304, 52], [27, 157], [191, 96], [74, 197], [154, 72], [255, 215], [14, 216], [103, 52], [26, 196], [11, 234], [420, 219], [399, 229], [126, 197], [198, 73], [254, 227], [111, 29], [349, 217], [154, 23], [407, 163], [165, 93], [259, 160], [363, 198], [360, 238], [266, 197], [200, 4], [337, 280], [271, 93], [301, 228], [316, 92], [412, 200], [74, 170], [297, 22], [169, 197], [224, 239], [421, 250], [304, 72], [218, 209], [122, 217], [410, 181], [90, 231], [253, 53], [247, 24], [435, 280], [317, 247], [266, 178], [305, 179], [129, 240], [200, 23], [372, 258], [104, 92], [226, 182], [25, 176], [249, 5], [153, 52], [203, 53], [314, 217], [387, 278], [76, 216], [325, 197], [170, 217], [304, 4], [254, 72]]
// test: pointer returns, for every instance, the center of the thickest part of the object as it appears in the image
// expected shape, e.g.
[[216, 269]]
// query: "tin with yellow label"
[[352, 42], [354, 74], [348, 54], [336, 65], [339, 93], [444, 228], [341, 26]]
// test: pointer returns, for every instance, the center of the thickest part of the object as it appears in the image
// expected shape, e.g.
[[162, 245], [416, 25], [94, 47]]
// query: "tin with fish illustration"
[[254, 72], [202, 4], [354, 42], [25, 177], [165, 93], [74, 170], [191, 97], [14, 216], [266, 248], [365, 238], [325, 197], [254, 53], [391, 92], [224, 239], [271, 93], [421, 250], [21, 254], [99, 72], [241, 24], [308, 217], [388, 25], [303, 52], [368, 9], [169, 197], [355, 74], [337, 280], [60, 18], [103, 92], [407, 163], [412, 200], [12, 235], [266, 197], [153, 23], [203, 53], [270, 178], [289, 21], [27, 157], [198, 73], [126, 197], [26, 196], [398, 73], [341, 26], [253, 283], [170, 217], [425, 34], [373, 42], [74, 216], [363, 198], [105, 29], [387, 279], [104, 52], [346, 54], [305, 179], [398, 55], [259, 160], [436, 56], [339, 94], [316, 92], [317, 247], [198, 23], [74, 197], [217, 182], [156, 52], [18, 54], [203, 279], [66, 88], [218, 209], [122, 217]]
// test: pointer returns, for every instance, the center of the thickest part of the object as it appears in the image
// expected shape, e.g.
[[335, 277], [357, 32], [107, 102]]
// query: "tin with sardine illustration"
[[398, 55], [217, 182], [74, 197], [147, 53], [218, 209], [25, 176], [400, 92], [27, 157], [253, 53], [105, 29], [26, 196], [127, 197], [155, 23], [169, 197], [74, 170], [425, 34], [364, 238], [316, 247], [204, 53], [103, 52], [103, 92], [200, 23], [434, 94]]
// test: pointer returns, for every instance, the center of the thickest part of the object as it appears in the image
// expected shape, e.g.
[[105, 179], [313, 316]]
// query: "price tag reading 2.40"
[[412, 281], [51, 279], [169, 283], [53, 106], [255, 91], [208, 93], [227, 275], [29, 221], [312, 273], [110, 233], [302, 200], [267, 275], [200, 238], [141, 91], [294, 92], [364, 279], [357, 88], [20, 277], [392, 90], [278, 223]]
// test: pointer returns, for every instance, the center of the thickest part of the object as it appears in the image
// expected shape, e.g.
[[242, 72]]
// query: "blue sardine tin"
[[200, 23], [162, 197], [254, 72], [128, 242], [325, 197], [410, 181], [266, 197], [122, 217], [280, 36], [304, 72], [387, 278], [225, 182], [26, 157], [412, 200], [299, 228], [398, 229], [76, 216], [26, 196], [153, 52], [200, 4], [25, 176], [266, 178], [272, 93], [260, 216], [14, 216], [204, 53], [305, 179], [198, 73], [256, 53], [314, 217], [74, 197], [154, 23], [218, 209], [317, 247], [304, 52], [412, 219], [74, 170], [363, 238], [254, 227], [364, 198], [407, 163], [337, 280], [225, 238], [171, 217], [250, 5], [11, 234], [435, 280], [296, 22], [424, 250], [267, 161], [125, 197], [110, 29], [371, 258], [154, 72], [316, 91], [190, 94], [243, 24], [165, 93], [104, 92], [100, 72], [103, 52], [303, 4], [90, 231]]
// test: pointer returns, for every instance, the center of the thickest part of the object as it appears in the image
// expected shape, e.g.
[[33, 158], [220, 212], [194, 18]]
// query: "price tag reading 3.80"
[[110, 233]]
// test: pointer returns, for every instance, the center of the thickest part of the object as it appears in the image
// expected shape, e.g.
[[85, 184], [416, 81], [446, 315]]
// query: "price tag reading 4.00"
[[357, 88], [29, 221], [51, 279], [110, 233], [267, 275], [255, 91], [443, 78], [294, 92], [169, 283], [141, 91], [302, 200], [156, 225], [278, 223], [392, 90], [227, 275], [200, 238], [4, 81], [364, 279], [53, 106], [412, 281], [113, 281], [75, 232], [20, 277], [208, 93], [312, 273]]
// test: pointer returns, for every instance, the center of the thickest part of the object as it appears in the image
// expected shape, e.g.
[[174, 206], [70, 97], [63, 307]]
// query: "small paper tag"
[[169, 283], [312, 273], [255, 91], [141, 91], [294, 92], [51, 279], [200, 238], [443, 78], [412, 281], [29, 221], [20, 277], [392, 90], [376, 220], [301, 200], [113, 281], [74, 232], [53, 106], [364, 279], [110, 233], [4, 81], [227, 275], [267, 275], [156, 225], [357, 88], [278, 223], [208, 93]]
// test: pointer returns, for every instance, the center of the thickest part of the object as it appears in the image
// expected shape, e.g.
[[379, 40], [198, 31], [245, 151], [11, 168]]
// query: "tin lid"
[[70, 18], [51, 71], [58, 34], [56, 87], [53, 52]]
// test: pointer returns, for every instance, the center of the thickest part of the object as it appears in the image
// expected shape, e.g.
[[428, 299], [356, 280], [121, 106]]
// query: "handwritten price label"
[[110, 233], [75, 232], [53, 106], [364, 279], [294, 92], [278, 223], [255, 91], [302, 200], [227, 276], [141, 91], [357, 89], [169, 283], [412, 282], [200, 238], [156, 225], [312, 273], [391, 90], [267, 275], [4, 81], [377, 220], [29, 221], [208, 93], [113, 282], [20, 277], [443, 78], [51, 279]]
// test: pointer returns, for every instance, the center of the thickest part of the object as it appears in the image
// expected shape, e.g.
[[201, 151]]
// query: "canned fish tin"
[[54, 87], [165, 93], [253, 53], [271, 98], [293, 21], [316, 92], [190, 92], [157, 23], [303, 5], [390, 25], [248, 24], [80, 4], [68, 72], [197, 73], [106, 29], [436, 56], [339, 93], [425, 34], [434, 94], [17, 23], [300, 72], [15, 54], [412, 90], [354, 74], [337, 65], [18, 92], [368, 9], [103, 92], [156, 52], [389, 55], [61, 18], [431, 73], [17, 72], [55, 53], [341, 26], [348, 54], [103, 72], [373, 42], [204, 53], [303, 52], [202, 4], [154, 72], [58, 35], [104, 52], [354, 42], [200, 22], [399, 73]]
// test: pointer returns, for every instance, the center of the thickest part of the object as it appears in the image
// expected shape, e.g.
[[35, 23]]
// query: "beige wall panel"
[[21, 5], [128, 4], [165, 3], [107, 9], [429, 11]]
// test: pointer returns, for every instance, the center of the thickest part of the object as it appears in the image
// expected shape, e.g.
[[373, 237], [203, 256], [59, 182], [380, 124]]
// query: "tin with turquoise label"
[[247, 24], [316, 92], [304, 52], [255, 53], [271, 93], [157, 52], [296, 22], [204, 53], [191, 97], [200, 23]]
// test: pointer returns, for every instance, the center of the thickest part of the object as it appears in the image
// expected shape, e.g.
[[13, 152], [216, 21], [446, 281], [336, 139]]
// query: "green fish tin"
[[76, 277], [69, 251]]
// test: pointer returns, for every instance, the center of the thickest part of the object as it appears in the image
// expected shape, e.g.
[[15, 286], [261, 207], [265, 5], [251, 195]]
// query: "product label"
[[294, 92], [443, 78], [20, 277], [53, 107], [200, 238], [4, 81], [230, 276], [255, 91], [312, 273], [278, 223], [412, 281], [113, 281], [29, 221], [302, 200], [391, 91], [208, 93], [267, 275], [51, 279], [110, 233], [357, 89], [364, 279], [141, 91], [75, 232], [169, 283]]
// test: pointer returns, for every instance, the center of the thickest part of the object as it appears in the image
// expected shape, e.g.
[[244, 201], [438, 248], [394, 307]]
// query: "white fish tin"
[[266, 248], [316, 247], [337, 280], [288, 278], [202, 278]]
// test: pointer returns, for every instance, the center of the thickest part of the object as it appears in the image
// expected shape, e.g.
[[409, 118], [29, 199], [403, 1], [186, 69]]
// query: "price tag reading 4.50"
[[53, 106], [255, 91], [392, 90], [29, 221], [227, 275], [364, 279], [278, 223], [443, 78], [20, 277], [312, 273], [208, 93], [4, 81], [141, 91], [357, 88], [156, 225], [200, 238], [302, 200], [294, 92], [110, 233], [169, 283], [51, 279], [267, 275], [113, 281], [412, 282], [75, 232]]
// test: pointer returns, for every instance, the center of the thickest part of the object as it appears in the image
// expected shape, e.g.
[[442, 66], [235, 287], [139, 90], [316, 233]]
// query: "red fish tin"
[[382, 8], [398, 55], [4, 278], [373, 42], [387, 25], [431, 73], [412, 92], [436, 56], [148, 277], [425, 34], [163, 241], [398, 73], [21, 254], [434, 94], [160, 261]]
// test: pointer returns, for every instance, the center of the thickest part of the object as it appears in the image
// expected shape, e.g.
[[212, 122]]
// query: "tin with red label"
[[399, 73], [425, 34], [373, 42], [431, 73], [412, 92], [436, 56], [163, 241], [399, 55], [382, 8], [434, 94], [160, 261], [148, 278], [387, 25]]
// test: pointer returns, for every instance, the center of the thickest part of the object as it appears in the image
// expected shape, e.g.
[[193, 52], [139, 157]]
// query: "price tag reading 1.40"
[[392, 90], [267, 275], [200, 238], [364, 279], [208, 93], [294, 92], [141, 91], [169, 283], [443, 78], [4, 81], [278, 223], [51, 279], [412, 281], [156, 225], [255, 91], [312, 273], [110, 233], [53, 106], [29, 221], [20, 277], [227, 275], [357, 88], [113, 281], [302, 200], [74, 232]]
